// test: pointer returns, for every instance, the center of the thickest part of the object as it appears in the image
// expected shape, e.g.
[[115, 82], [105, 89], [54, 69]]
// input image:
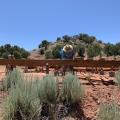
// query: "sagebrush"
[[33, 99]]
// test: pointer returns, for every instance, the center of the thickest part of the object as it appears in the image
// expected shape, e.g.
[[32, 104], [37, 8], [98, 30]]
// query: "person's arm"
[[61, 53], [73, 55]]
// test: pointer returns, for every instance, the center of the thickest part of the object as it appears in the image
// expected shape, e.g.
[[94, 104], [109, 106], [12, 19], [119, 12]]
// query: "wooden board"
[[53, 63]]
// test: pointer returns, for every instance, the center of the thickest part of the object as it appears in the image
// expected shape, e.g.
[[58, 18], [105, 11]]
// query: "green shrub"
[[42, 51], [48, 93], [94, 50], [109, 112], [30, 97], [112, 49], [47, 89], [117, 75], [48, 54], [17, 54], [22, 103], [58, 39], [15, 50], [86, 38], [44, 43], [12, 78], [80, 50], [72, 90], [56, 51], [66, 38]]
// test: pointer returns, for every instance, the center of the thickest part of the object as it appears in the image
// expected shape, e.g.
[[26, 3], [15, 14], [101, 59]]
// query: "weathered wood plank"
[[53, 63]]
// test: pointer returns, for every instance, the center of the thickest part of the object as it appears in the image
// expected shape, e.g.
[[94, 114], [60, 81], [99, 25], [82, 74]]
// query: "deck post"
[[47, 68]]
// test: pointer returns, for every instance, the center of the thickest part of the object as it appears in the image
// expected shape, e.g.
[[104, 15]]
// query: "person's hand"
[[74, 58]]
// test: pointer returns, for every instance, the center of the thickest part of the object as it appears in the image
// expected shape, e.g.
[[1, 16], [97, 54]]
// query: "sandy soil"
[[94, 95]]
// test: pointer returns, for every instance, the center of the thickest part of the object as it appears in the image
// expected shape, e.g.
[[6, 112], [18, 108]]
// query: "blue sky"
[[27, 22]]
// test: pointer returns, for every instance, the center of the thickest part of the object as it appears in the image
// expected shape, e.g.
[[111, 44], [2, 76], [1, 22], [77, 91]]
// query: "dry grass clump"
[[117, 75], [47, 92], [47, 89], [72, 90], [36, 99], [109, 112], [22, 102], [12, 78]]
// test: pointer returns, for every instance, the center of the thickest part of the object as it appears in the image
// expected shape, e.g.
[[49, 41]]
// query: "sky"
[[27, 22]]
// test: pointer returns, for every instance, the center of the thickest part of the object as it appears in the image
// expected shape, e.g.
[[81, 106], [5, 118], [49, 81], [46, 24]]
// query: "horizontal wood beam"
[[53, 63]]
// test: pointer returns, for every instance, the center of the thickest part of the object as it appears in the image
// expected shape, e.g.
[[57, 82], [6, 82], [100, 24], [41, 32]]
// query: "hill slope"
[[84, 45]]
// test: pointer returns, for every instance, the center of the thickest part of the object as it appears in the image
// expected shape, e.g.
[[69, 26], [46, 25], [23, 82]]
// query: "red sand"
[[94, 95]]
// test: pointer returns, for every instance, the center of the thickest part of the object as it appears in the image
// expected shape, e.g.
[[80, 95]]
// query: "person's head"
[[67, 48]]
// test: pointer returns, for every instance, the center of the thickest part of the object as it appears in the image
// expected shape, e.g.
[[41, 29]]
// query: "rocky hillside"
[[84, 45]]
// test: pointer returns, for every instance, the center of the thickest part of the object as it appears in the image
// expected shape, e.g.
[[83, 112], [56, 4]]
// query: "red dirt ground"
[[94, 95]]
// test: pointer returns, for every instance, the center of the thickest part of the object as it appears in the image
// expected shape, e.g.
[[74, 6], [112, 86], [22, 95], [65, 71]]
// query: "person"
[[67, 53]]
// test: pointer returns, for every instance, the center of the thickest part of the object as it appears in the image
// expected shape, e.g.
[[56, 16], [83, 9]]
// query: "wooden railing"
[[53, 63]]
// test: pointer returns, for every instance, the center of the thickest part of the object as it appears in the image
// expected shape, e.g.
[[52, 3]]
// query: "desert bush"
[[44, 44], [80, 50], [42, 51], [86, 38], [47, 89], [15, 50], [112, 49], [72, 90], [94, 50], [33, 99], [12, 78], [22, 103], [48, 54], [66, 38], [48, 93], [56, 51], [117, 75], [109, 112], [58, 39]]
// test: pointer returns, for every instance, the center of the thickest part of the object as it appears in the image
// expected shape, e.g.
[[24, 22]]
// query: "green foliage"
[[12, 78], [93, 50], [109, 49], [80, 50], [47, 89], [86, 38], [27, 97], [58, 39], [48, 54], [109, 112], [24, 53], [88, 41], [5, 55], [100, 41], [56, 51], [112, 50], [72, 90], [44, 43], [42, 51], [118, 48], [117, 75], [66, 38], [22, 103], [18, 52]]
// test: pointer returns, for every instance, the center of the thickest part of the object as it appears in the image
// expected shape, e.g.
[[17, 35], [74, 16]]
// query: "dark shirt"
[[67, 55]]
